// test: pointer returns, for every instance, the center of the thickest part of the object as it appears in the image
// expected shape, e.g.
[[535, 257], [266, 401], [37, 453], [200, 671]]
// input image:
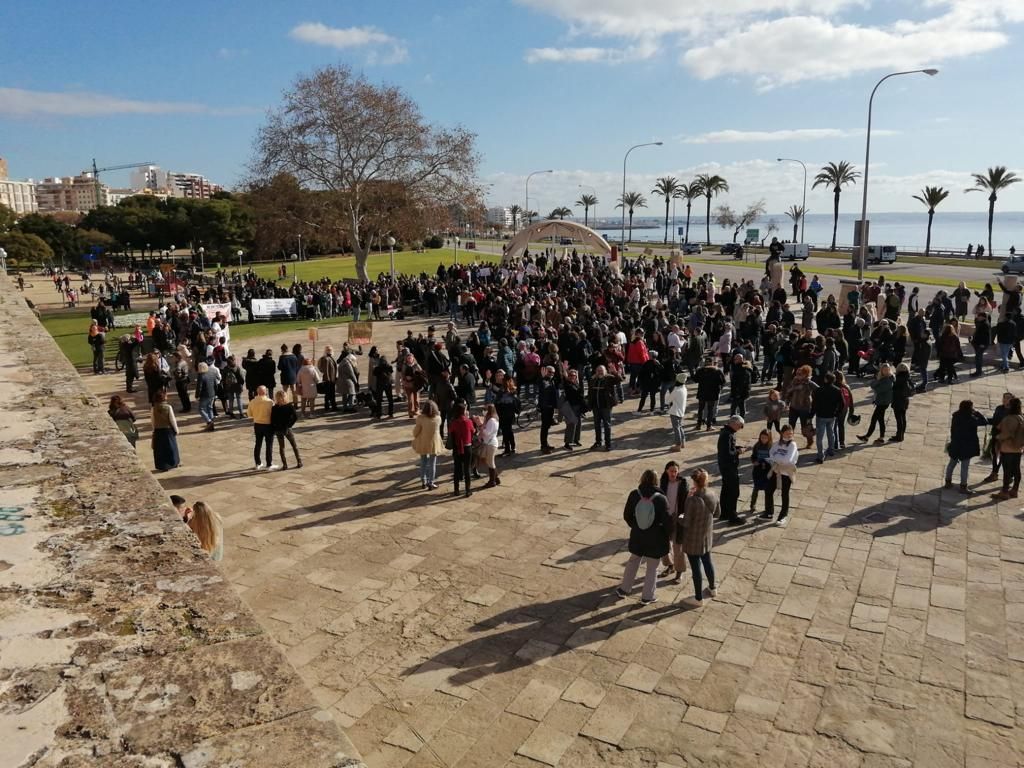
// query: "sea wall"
[[121, 644]]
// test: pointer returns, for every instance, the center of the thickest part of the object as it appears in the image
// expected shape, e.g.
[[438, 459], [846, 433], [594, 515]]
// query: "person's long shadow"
[[914, 512], [502, 636]]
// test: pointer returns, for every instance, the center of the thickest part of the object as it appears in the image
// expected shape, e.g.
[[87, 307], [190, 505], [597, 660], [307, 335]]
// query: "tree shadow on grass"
[[529, 634]]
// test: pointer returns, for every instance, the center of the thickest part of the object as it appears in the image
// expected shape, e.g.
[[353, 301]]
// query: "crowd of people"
[[576, 339]]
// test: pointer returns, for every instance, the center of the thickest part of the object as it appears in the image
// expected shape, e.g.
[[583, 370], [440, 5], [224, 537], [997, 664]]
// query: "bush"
[[434, 241]]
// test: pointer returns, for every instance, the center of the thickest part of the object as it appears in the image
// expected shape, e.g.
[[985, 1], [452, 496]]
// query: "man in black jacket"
[[547, 401], [827, 406], [729, 469], [710, 381]]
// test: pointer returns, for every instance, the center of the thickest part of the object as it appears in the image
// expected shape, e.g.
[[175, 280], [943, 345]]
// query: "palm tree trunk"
[[928, 239], [709, 219], [794, 231], [686, 239], [666, 219], [586, 215], [991, 215], [630, 226], [835, 219]]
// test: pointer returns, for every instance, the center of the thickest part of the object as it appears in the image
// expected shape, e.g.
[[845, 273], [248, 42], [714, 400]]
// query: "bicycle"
[[527, 415]]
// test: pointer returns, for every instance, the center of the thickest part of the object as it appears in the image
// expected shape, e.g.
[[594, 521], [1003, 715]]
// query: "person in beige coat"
[[306, 380], [426, 441], [699, 513]]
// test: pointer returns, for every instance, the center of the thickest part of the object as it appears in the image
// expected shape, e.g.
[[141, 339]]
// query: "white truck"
[[794, 251]]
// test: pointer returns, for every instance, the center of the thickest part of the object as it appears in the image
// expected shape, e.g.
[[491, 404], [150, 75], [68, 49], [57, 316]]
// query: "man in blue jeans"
[[602, 400], [827, 406]]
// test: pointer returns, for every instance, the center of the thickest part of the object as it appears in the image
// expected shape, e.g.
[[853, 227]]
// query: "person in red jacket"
[[636, 356], [460, 433]]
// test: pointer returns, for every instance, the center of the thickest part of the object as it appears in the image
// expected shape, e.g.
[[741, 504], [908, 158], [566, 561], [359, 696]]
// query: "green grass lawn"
[[406, 262], [70, 331]]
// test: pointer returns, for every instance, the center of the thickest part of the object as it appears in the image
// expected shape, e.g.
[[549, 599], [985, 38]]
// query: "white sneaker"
[[781, 522], [259, 466], [713, 592], [272, 467]]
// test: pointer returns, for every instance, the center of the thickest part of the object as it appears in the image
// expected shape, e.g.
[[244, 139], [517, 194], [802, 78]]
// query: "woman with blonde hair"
[[699, 513], [489, 445], [307, 380], [282, 419], [426, 441], [208, 528]]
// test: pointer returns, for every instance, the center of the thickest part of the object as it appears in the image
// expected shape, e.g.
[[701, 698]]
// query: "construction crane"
[[97, 171]]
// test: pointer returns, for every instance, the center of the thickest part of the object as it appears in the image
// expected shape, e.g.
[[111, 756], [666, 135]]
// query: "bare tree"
[[335, 131], [748, 217], [773, 226], [725, 217]]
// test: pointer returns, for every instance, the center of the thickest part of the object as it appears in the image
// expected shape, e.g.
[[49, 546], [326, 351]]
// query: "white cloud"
[[732, 136], [315, 33], [764, 50], [16, 102], [779, 42], [643, 50]]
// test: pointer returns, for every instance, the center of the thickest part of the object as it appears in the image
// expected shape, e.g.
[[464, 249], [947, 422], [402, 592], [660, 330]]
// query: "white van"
[[881, 254], [794, 251]]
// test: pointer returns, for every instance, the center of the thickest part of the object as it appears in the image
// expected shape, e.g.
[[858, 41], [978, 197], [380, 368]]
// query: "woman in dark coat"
[[648, 535], [963, 442], [673, 487], [902, 391]]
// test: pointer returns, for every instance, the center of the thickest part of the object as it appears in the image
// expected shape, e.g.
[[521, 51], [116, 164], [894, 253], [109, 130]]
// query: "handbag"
[[852, 419], [322, 387], [449, 444]]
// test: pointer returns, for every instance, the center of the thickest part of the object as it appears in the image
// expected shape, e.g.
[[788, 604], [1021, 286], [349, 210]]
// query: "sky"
[[728, 86]]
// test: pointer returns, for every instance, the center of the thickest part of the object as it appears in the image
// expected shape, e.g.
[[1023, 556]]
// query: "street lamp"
[[456, 250], [150, 249], [622, 200], [202, 258], [867, 158], [391, 247], [239, 259], [803, 206], [529, 219], [300, 247]]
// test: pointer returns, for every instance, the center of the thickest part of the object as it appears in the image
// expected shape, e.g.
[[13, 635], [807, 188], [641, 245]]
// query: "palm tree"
[[587, 202], [795, 212], [931, 197], [836, 176], [709, 187], [559, 213], [994, 180], [667, 187], [691, 192], [517, 216], [632, 200]]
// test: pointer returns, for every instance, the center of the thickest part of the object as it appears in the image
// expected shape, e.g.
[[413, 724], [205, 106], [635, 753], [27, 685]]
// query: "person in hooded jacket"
[[741, 377], [710, 381], [648, 538], [902, 391]]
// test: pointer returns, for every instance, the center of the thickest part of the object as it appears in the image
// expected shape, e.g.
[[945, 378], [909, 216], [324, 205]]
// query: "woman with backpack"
[[800, 396], [700, 511], [647, 515], [1010, 437], [232, 382]]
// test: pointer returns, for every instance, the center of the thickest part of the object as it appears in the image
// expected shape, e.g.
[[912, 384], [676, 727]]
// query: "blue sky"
[[728, 85]]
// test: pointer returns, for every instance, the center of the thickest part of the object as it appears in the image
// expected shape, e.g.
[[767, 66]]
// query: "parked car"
[[1013, 266], [691, 248], [729, 248]]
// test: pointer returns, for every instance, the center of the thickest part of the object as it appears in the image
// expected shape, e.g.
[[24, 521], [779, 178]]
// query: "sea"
[[907, 231]]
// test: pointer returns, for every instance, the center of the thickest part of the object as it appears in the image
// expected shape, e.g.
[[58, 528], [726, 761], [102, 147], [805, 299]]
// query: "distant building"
[[150, 177], [71, 193], [115, 196], [502, 217], [192, 185], [19, 196]]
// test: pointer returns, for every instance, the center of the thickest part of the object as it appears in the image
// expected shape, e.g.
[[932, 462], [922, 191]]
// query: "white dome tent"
[[584, 238]]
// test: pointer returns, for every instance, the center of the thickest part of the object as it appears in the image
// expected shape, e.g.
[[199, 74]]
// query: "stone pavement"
[[121, 644], [883, 627]]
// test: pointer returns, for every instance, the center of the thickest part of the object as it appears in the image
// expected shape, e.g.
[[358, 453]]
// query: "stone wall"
[[121, 644]]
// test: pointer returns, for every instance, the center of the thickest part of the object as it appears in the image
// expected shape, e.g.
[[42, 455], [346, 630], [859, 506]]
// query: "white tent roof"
[[583, 237]]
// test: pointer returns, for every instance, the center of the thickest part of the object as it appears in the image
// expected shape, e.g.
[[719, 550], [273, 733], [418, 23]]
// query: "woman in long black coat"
[[963, 442], [648, 538]]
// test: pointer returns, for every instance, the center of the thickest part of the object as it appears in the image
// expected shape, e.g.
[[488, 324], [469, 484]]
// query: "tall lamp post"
[[240, 259], [622, 200], [202, 258], [803, 205], [456, 241], [862, 258], [529, 219], [391, 248]]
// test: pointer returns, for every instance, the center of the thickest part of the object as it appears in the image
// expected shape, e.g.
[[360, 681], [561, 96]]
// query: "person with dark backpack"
[[646, 513]]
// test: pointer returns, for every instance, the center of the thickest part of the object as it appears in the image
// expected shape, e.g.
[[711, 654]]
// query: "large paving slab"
[[882, 627]]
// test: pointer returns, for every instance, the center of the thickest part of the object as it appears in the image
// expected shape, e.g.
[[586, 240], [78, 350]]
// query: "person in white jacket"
[[676, 408], [782, 457], [489, 445]]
